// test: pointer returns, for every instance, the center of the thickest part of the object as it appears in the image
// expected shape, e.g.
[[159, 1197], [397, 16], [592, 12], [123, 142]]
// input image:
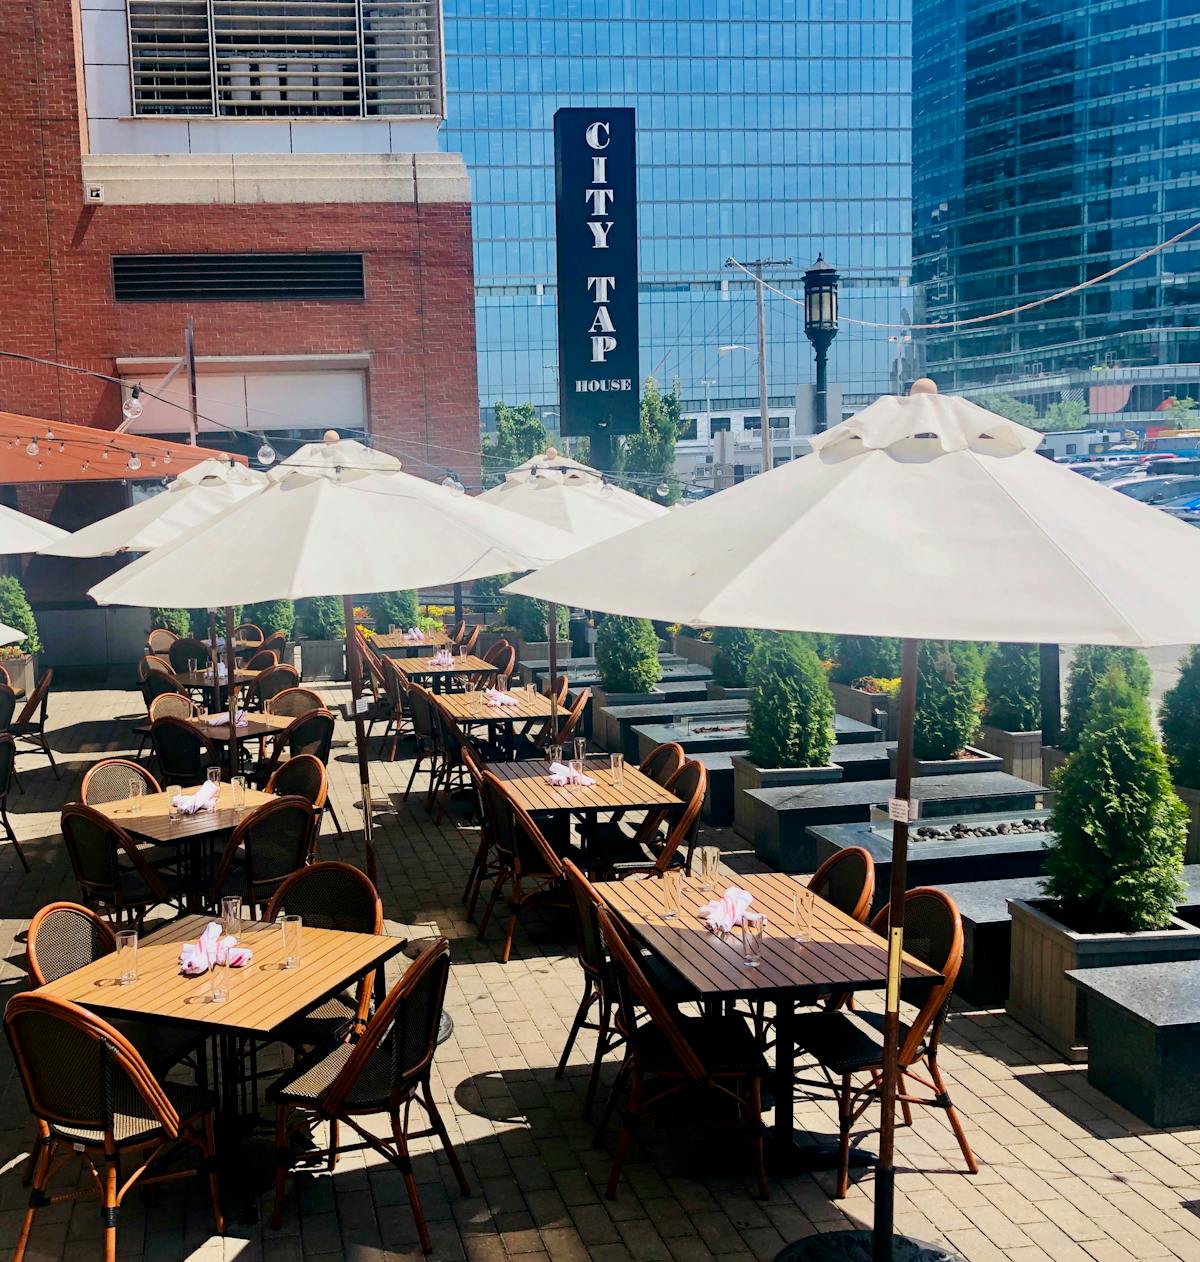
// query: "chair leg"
[[49, 754], [404, 1162], [760, 1166], [632, 1110], [214, 1179], [589, 1097], [39, 1140], [439, 1126], [337, 823], [475, 876], [581, 1012], [501, 877], [417, 761], [943, 1098], [843, 1177], [905, 1107], [110, 1210], [514, 902], [281, 1163], [8, 829], [40, 1174], [611, 1103]]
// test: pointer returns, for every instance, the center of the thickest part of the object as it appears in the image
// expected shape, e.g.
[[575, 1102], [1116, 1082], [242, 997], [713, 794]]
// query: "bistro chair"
[[459, 633], [262, 659], [847, 880], [30, 724], [276, 643], [310, 733], [8, 772], [183, 752], [275, 679], [172, 704], [183, 651], [249, 633], [566, 733], [330, 896], [427, 747], [112, 874], [503, 657], [155, 664], [451, 775], [154, 686], [385, 1072], [293, 702], [95, 1096], [531, 740], [272, 841], [399, 716], [470, 641], [303, 776], [848, 1043], [525, 862], [5, 677], [661, 765], [662, 762], [157, 682], [670, 1053], [482, 867], [646, 855], [116, 780], [160, 640]]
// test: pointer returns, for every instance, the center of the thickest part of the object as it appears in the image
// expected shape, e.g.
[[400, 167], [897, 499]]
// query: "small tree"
[[530, 618], [627, 654], [273, 615], [1005, 405], [1063, 414], [1116, 857], [731, 662], [1179, 718], [394, 609], [859, 656], [1179, 412], [791, 707], [17, 612], [1089, 665], [486, 594], [520, 435], [177, 620], [648, 456], [321, 618], [1012, 682], [950, 698]]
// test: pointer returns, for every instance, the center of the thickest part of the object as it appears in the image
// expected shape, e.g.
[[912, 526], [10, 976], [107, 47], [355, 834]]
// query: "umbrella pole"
[[354, 663], [885, 1173], [231, 667], [214, 657], [552, 635], [458, 604]]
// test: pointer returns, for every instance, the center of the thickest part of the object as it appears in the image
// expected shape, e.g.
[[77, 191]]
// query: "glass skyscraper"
[[1052, 141], [766, 128]]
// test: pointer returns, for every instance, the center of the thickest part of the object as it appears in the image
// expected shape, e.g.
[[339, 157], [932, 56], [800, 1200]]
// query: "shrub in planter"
[[1116, 860], [394, 609], [199, 624], [858, 655], [16, 612], [791, 707], [321, 618], [486, 596], [1012, 682], [1179, 719], [177, 620], [949, 698], [530, 618], [1089, 665], [272, 615], [627, 654], [735, 647]]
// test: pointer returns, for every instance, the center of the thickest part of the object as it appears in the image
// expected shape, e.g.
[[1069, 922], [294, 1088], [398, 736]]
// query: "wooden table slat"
[[424, 666], [204, 678], [147, 816], [527, 781], [256, 726], [473, 707], [431, 639]]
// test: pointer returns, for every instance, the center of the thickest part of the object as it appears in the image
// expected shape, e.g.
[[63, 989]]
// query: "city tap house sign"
[[596, 194]]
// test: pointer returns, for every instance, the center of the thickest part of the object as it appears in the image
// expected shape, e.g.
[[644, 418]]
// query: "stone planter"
[[970, 760], [1041, 996], [1052, 759], [720, 692], [322, 659], [605, 733], [854, 703], [748, 775], [539, 650], [1191, 799], [1021, 752], [22, 673], [489, 638], [701, 652]]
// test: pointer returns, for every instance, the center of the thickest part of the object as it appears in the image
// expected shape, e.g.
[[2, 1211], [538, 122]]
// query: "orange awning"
[[84, 453]]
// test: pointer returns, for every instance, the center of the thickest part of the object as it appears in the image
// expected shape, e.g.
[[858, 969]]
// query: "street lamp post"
[[821, 326], [756, 270]]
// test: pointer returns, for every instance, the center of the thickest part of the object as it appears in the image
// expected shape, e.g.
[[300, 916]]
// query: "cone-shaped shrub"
[[272, 615], [627, 654], [1089, 665], [1179, 719], [949, 698], [1012, 682], [735, 647], [858, 656], [791, 707]]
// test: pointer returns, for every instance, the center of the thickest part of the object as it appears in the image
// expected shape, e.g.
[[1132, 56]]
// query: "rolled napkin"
[[414, 633], [204, 799], [230, 951], [196, 956], [222, 672], [215, 720], [494, 696], [442, 658], [561, 774], [723, 913]]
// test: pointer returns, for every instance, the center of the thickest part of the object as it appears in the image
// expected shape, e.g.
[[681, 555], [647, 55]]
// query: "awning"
[[84, 453]]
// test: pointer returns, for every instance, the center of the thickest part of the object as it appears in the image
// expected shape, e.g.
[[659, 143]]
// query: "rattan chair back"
[[95, 847], [519, 842], [8, 705], [293, 702], [158, 685], [160, 640], [276, 678], [276, 642], [303, 776], [248, 633], [157, 664], [689, 784], [38, 703], [559, 693], [459, 632], [585, 898], [847, 880], [310, 733], [63, 937], [184, 753], [263, 659], [188, 650], [8, 764], [173, 704], [329, 896], [274, 841], [663, 762], [933, 933], [420, 701], [472, 639], [567, 731], [116, 780]]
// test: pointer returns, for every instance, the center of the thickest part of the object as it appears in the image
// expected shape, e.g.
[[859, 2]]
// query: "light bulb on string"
[[62, 447], [134, 463], [33, 448], [132, 408], [662, 490], [49, 434], [452, 484], [83, 468], [104, 453], [266, 453], [167, 458]]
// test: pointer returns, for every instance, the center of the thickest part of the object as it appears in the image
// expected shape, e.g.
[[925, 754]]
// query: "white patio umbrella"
[[562, 493], [10, 635], [335, 518], [21, 533], [192, 499], [924, 516]]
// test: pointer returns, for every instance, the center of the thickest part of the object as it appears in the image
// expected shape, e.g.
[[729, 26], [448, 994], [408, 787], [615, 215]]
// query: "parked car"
[[1157, 490]]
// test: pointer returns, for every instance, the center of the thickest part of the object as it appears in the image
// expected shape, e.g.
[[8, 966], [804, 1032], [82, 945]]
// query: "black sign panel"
[[596, 194]]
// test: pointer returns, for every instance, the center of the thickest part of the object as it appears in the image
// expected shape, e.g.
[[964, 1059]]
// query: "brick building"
[[275, 178]]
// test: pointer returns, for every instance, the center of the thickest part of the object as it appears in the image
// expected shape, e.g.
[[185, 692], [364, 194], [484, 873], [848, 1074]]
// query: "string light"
[[134, 463], [453, 484], [267, 454], [132, 408], [33, 448], [49, 435], [662, 490]]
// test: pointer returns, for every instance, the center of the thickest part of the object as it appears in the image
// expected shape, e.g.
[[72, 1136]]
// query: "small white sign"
[[898, 810]]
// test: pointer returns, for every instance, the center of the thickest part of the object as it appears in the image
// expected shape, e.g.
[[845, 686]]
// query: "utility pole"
[[757, 268], [189, 354]]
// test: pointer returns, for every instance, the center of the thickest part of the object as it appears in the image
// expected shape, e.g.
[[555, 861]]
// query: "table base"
[[799, 1153], [858, 1246]]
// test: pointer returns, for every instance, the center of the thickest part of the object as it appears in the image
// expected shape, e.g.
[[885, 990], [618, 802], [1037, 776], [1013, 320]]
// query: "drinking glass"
[[580, 750], [576, 767], [127, 941], [291, 928], [231, 914], [672, 890], [192, 662], [501, 683], [218, 980], [754, 928], [391, 628], [618, 768], [709, 859], [554, 753], [239, 793], [213, 775], [801, 915], [173, 792]]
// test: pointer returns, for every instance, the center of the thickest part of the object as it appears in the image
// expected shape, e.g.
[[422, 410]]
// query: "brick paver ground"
[[1065, 1174]]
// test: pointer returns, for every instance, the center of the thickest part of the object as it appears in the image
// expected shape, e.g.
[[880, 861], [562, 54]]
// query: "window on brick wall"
[[287, 58]]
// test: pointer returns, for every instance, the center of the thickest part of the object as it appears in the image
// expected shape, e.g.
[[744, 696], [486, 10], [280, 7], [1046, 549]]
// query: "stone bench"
[[1144, 1038], [534, 669], [612, 725], [782, 817], [863, 760]]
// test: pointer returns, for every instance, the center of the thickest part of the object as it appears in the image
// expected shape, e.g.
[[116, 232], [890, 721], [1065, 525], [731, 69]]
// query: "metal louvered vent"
[[236, 277], [287, 58]]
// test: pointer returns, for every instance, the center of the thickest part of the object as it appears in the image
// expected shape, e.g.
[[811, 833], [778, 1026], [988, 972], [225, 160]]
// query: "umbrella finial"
[[923, 385], [551, 453], [332, 436]]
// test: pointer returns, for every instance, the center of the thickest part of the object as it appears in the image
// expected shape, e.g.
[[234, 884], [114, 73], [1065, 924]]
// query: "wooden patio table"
[[840, 954], [401, 646], [472, 709], [442, 677]]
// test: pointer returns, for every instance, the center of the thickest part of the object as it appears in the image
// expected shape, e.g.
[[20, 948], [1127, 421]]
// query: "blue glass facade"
[[1052, 141], [771, 128]]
